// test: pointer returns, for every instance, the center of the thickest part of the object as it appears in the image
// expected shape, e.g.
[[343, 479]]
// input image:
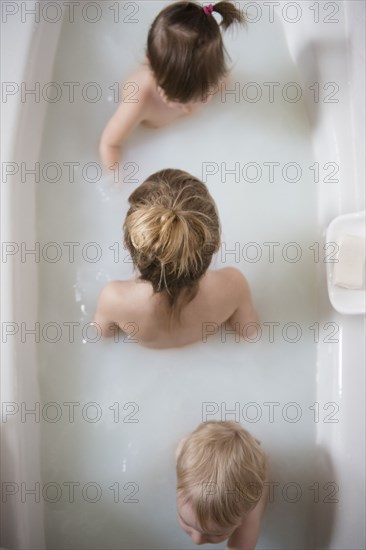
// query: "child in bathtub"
[[172, 230], [221, 485], [185, 61]]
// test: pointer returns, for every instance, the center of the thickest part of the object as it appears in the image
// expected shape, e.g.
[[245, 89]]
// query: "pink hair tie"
[[208, 9]]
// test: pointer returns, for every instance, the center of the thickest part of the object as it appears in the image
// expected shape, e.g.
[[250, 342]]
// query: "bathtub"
[[325, 43]]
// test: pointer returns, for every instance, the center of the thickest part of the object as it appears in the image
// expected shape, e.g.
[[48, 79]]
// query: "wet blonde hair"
[[221, 470], [186, 50], [172, 230]]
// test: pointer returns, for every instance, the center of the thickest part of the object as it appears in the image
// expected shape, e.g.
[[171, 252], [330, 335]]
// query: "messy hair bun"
[[185, 48], [171, 231]]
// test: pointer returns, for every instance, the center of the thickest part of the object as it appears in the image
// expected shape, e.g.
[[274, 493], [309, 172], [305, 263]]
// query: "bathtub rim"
[[22, 526]]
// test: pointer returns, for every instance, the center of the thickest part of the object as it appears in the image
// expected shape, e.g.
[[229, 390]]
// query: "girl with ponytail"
[[185, 61], [171, 231]]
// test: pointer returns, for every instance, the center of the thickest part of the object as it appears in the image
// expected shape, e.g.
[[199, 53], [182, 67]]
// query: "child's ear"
[[180, 447]]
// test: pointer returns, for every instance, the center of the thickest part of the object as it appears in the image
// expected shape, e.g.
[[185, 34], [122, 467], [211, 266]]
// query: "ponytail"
[[230, 14], [185, 48]]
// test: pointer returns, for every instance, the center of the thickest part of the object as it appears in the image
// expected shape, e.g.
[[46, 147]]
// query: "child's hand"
[[110, 155], [122, 123]]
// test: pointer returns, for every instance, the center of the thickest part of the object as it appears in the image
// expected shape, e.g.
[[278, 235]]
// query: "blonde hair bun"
[[172, 230]]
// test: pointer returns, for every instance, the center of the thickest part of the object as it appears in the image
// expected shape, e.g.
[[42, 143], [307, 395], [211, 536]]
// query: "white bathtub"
[[324, 52]]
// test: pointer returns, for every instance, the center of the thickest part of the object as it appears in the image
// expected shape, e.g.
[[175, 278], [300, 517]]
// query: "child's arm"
[[246, 535], [123, 122], [244, 319], [105, 311]]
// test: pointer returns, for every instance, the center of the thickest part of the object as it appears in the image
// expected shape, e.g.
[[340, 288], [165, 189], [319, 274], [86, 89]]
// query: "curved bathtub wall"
[[335, 53], [25, 43], [340, 368]]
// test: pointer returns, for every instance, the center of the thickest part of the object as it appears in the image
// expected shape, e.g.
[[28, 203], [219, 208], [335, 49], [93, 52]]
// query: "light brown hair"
[[221, 470], [172, 230], [186, 50]]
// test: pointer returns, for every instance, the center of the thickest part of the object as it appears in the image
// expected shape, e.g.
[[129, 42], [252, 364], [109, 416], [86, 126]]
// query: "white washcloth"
[[349, 271]]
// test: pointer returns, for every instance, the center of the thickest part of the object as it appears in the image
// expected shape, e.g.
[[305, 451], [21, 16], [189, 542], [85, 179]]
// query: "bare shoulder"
[[247, 534], [113, 293], [233, 277], [138, 85]]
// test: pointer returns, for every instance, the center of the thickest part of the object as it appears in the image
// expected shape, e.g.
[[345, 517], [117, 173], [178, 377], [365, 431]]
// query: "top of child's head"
[[172, 230], [186, 51], [221, 471]]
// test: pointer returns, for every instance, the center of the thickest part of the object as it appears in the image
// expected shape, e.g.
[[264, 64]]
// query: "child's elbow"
[[252, 330], [246, 326], [109, 332], [105, 329]]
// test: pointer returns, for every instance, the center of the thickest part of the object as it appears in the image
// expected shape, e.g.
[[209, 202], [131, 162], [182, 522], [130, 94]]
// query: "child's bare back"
[[172, 231], [132, 306]]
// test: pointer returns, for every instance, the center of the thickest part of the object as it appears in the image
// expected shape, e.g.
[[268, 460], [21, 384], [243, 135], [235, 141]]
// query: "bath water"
[[108, 444]]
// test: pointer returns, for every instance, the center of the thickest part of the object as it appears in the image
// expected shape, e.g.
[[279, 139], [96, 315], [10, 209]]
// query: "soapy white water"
[[268, 383]]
